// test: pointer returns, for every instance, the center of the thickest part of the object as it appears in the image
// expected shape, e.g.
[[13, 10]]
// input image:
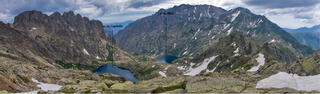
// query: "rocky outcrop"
[[307, 66], [208, 83]]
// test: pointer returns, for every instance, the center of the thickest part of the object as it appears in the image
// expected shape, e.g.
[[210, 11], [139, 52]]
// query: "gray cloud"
[[280, 11], [17, 6], [145, 3], [91, 8], [304, 16], [282, 3]]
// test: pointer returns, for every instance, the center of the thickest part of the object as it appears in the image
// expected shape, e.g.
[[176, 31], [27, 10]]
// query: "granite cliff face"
[[67, 37], [195, 27]]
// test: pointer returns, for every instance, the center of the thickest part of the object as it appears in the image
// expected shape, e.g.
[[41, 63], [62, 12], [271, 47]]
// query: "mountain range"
[[116, 30], [307, 36], [217, 50], [193, 28]]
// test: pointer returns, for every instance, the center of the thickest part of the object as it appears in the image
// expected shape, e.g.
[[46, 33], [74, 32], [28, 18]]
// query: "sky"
[[285, 13]]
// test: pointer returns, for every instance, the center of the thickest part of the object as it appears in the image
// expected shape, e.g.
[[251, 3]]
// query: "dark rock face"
[[16, 46], [67, 37], [18, 43], [194, 28]]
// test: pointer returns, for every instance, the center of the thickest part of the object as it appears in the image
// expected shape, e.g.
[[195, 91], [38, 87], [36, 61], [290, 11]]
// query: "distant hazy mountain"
[[307, 36], [315, 28], [194, 28], [116, 30]]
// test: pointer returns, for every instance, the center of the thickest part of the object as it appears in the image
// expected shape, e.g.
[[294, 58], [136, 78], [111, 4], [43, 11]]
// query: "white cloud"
[[5, 17], [121, 10]]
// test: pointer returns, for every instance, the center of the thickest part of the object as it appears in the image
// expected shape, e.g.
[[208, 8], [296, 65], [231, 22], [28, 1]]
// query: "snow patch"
[[236, 52], [203, 66], [200, 16], [192, 64], [185, 52], [180, 67], [260, 21], [195, 34], [273, 41], [229, 31], [234, 44], [209, 33], [71, 29], [261, 61], [174, 45], [85, 51], [43, 87], [33, 28], [162, 74], [294, 81], [234, 16], [165, 69], [215, 67], [98, 57], [226, 26], [47, 87], [213, 37]]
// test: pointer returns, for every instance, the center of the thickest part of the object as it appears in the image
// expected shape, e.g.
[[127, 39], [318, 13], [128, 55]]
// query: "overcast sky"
[[286, 13]]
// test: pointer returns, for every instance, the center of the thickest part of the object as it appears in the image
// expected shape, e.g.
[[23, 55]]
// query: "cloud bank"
[[286, 13]]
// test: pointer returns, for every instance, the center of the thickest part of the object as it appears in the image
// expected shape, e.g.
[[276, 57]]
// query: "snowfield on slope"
[[47, 87], [86, 52], [203, 66], [261, 61], [43, 87], [235, 15], [294, 81], [162, 74]]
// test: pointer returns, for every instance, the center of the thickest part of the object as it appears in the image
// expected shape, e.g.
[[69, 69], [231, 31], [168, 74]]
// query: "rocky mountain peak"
[[68, 36], [2, 24], [68, 21], [245, 10], [55, 14], [195, 27], [195, 11], [70, 13], [31, 17]]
